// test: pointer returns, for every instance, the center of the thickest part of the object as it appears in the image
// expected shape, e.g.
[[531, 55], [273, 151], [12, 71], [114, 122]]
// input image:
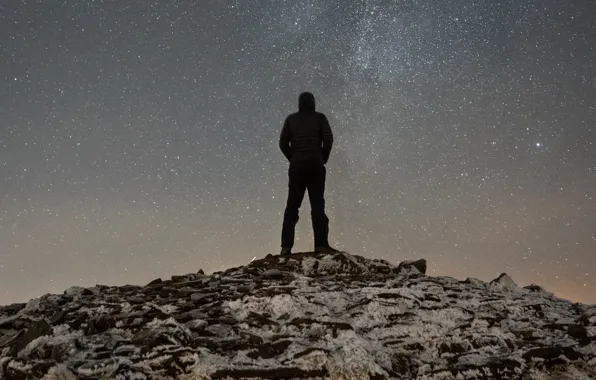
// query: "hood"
[[306, 101]]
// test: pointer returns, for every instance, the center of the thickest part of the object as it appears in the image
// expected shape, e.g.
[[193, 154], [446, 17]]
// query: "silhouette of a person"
[[306, 140]]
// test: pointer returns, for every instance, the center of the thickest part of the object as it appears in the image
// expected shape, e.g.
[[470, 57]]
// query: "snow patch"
[[350, 360], [60, 372]]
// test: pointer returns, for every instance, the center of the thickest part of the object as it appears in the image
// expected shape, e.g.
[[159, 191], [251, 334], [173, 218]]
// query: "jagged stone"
[[38, 329], [270, 350], [157, 281], [79, 320], [588, 318], [9, 337], [13, 308], [417, 266], [504, 282], [60, 352], [100, 324], [452, 347], [186, 277], [309, 351], [273, 274], [475, 282], [551, 353], [245, 288], [273, 373], [58, 317], [534, 288], [201, 297], [577, 331], [197, 324], [8, 322], [78, 291], [147, 338]]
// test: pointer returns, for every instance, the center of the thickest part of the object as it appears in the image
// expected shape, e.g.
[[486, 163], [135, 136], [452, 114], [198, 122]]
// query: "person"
[[306, 140]]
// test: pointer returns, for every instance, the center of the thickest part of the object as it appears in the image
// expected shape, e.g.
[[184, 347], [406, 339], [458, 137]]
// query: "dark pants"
[[311, 177]]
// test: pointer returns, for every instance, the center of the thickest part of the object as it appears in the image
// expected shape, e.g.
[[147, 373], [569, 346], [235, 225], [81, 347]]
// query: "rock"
[[254, 339], [38, 329], [196, 324], [200, 271], [228, 319], [504, 282], [453, 347], [474, 281], [95, 290], [273, 373], [221, 330], [405, 267], [200, 297], [551, 353], [310, 350], [180, 278], [58, 317], [157, 281], [149, 338], [534, 288], [137, 300], [588, 317], [245, 288], [126, 350], [256, 319], [12, 308], [60, 352], [270, 350], [8, 321], [273, 274], [190, 315], [578, 332], [9, 337], [100, 324], [78, 291], [79, 320], [103, 369]]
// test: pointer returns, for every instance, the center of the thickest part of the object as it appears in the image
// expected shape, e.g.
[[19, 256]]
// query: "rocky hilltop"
[[302, 316]]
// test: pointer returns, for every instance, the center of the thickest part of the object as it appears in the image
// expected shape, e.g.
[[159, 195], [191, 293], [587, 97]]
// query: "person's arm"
[[327, 137], [284, 140]]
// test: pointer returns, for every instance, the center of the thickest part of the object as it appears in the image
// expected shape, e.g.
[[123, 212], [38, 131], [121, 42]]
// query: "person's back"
[[309, 133], [306, 140]]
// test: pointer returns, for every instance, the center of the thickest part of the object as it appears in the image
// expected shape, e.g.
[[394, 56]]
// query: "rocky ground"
[[304, 316]]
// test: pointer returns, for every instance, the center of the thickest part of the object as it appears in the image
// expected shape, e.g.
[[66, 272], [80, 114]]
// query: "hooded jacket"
[[306, 135]]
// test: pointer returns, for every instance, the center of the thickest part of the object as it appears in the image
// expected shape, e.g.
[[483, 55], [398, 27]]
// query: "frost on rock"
[[60, 372], [317, 316]]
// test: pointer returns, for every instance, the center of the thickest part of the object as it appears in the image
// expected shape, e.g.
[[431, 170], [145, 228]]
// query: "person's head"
[[306, 101]]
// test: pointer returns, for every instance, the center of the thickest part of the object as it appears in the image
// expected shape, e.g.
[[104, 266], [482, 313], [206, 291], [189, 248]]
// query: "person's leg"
[[316, 195], [296, 189]]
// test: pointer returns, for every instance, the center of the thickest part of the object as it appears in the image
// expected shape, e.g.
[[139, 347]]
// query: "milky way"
[[139, 139]]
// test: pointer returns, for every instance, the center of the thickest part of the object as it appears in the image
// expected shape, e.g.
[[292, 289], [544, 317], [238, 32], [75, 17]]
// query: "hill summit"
[[304, 316]]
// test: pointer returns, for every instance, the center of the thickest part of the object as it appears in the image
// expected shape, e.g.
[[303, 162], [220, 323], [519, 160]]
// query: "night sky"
[[140, 139]]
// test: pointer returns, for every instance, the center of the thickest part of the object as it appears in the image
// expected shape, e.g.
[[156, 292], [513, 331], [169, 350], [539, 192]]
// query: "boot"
[[326, 249], [286, 251]]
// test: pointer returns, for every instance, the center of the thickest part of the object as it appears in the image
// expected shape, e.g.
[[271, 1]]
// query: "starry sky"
[[139, 139]]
